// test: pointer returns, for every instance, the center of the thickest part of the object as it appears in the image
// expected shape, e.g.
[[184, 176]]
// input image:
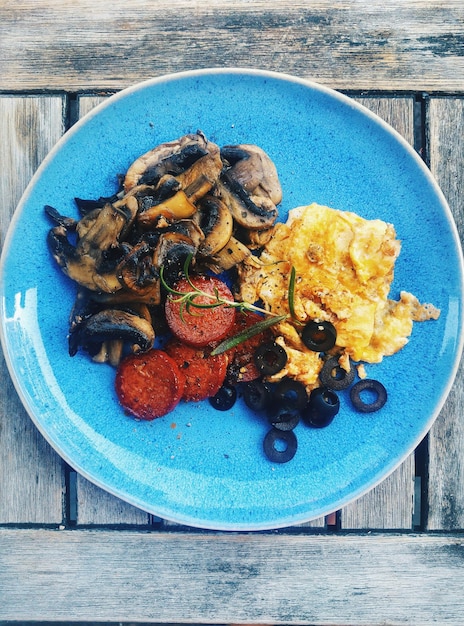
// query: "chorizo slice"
[[149, 384], [194, 325], [204, 374]]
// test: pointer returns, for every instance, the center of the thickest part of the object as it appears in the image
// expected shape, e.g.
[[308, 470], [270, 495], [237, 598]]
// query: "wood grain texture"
[[31, 474], [255, 578], [96, 506], [446, 440], [395, 44], [390, 504]]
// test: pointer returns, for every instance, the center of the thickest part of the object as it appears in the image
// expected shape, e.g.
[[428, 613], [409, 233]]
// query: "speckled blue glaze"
[[198, 466]]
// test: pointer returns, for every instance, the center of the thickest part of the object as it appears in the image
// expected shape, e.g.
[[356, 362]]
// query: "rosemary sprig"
[[246, 334], [188, 301], [291, 293]]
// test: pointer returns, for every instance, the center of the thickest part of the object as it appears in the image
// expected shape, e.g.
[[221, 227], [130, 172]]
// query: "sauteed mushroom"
[[114, 324], [233, 253], [215, 220], [252, 168], [104, 330], [137, 271], [250, 186], [186, 158], [171, 254], [182, 200], [83, 262]]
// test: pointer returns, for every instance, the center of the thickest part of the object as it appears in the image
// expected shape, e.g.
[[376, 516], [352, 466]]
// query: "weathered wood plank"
[[31, 474], [244, 578], [446, 440], [390, 504], [395, 44], [95, 506]]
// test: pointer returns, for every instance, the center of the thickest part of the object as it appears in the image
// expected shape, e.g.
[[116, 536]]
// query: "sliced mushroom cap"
[[176, 207], [233, 253], [253, 169], [151, 195], [254, 239], [171, 254], [86, 223], [80, 267], [187, 227], [163, 159], [113, 324], [250, 186], [137, 271], [201, 177], [83, 262], [216, 223], [112, 350], [175, 158], [244, 211]]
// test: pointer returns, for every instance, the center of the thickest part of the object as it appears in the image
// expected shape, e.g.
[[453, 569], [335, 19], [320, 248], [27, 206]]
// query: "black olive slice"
[[224, 399], [284, 418], [375, 395], [270, 358], [257, 395], [291, 392], [322, 407], [334, 376], [280, 446], [319, 336]]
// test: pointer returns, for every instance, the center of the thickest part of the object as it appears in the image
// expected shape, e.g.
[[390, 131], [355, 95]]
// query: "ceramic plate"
[[198, 466]]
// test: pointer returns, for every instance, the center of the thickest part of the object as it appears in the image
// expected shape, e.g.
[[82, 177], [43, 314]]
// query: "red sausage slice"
[[199, 327], [149, 384], [204, 374]]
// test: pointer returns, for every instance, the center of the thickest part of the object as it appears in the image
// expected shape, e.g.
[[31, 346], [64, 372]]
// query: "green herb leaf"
[[257, 328], [188, 301], [291, 293]]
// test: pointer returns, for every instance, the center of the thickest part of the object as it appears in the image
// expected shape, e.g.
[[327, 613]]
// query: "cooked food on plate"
[[191, 288], [344, 267]]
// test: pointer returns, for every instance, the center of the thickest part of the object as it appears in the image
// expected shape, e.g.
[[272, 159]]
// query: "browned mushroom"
[[171, 254], [216, 223], [83, 262], [188, 158], [137, 272], [112, 349], [250, 186], [110, 325], [233, 253], [252, 168]]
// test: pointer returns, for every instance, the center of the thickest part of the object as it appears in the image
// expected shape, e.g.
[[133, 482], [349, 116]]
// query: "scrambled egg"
[[344, 267]]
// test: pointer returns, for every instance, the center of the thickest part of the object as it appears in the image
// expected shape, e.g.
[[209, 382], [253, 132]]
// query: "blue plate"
[[198, 466]]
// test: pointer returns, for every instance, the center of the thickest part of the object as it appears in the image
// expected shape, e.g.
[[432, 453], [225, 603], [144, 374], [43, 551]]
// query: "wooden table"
[[69, 552]]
